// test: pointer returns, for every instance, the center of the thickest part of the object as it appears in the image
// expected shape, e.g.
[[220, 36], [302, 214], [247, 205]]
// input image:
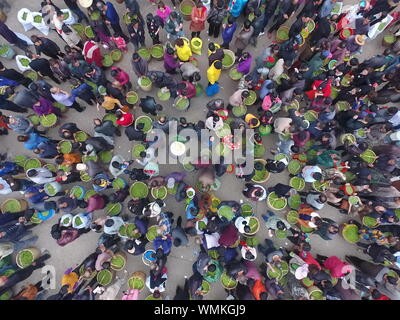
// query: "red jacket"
[[309, 259], [126, 120], [92, 53]]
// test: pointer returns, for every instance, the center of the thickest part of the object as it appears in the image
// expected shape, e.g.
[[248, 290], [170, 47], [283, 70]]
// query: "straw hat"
[[360, 39], [85, 3]]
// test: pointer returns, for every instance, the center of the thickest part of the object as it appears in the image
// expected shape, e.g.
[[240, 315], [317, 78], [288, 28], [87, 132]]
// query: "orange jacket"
[[258, 288]]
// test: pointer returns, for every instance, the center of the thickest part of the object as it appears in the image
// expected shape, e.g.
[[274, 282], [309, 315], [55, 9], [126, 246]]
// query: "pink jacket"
[[164, 15], [132, 294], [337, 267], [122, 77]]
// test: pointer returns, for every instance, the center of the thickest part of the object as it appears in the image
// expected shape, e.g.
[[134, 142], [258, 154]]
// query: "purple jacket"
[[227, 33], [170, 62], [45, 107], [244, 66]]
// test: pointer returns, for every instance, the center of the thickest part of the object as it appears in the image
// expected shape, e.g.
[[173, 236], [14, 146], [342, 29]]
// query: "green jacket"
[[325, 159], [216, 274]]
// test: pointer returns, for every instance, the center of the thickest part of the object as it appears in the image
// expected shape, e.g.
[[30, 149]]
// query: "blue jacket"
[[77, 91], [9, 167], [188, 213], [34, 140], [236, 7], [227, 33], [111, 13], [49, 150]]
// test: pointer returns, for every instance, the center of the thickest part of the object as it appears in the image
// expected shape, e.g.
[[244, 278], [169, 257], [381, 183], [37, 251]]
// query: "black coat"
[[41, 65], [47, 47]]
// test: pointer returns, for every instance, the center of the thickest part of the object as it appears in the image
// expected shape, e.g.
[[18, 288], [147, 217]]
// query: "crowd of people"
[[331, 115]]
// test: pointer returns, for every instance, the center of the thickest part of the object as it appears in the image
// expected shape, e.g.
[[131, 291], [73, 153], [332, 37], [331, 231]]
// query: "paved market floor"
[[181, 259]]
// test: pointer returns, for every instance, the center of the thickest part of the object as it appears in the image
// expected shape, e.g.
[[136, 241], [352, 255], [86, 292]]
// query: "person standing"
[[243, 38], [112, 17], [47, 47], [66, 99], [174, 26], [198, 16], [92, 53], [154, 25], [286, 9], [215, 18], [12, 74], [11, 37], [69, 35], [136, 32], [42, 66], [228, 32], [73, 6]]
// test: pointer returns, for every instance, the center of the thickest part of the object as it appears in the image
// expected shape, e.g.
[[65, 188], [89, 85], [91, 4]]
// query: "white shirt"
[[210, 124], [118, 223], [66, 100], [308, 171], [44, 176], [6, 189], [395, 120], [212, 240], [239, 223]]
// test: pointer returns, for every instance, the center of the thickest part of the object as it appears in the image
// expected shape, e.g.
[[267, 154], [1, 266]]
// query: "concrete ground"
[[181, 259]]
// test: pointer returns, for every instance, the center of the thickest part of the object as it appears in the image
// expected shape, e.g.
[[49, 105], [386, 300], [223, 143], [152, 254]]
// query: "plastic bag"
[[71, 17], [19, 64], [27, 22], [41, 26], [25, 38]]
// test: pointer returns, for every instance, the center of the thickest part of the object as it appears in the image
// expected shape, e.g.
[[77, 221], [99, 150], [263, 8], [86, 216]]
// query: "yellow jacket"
[[249, 117], [213, 73], [184, 53]]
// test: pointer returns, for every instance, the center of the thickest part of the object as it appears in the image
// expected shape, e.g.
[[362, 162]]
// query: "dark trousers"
[[239, 52], [11, 106], [52, 77], [196, 34], [213, 30], [174, 2], [21, 44], [77, 107], [117, 29], [80, 14], [225, 45], [156, 39], [279, 21]]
